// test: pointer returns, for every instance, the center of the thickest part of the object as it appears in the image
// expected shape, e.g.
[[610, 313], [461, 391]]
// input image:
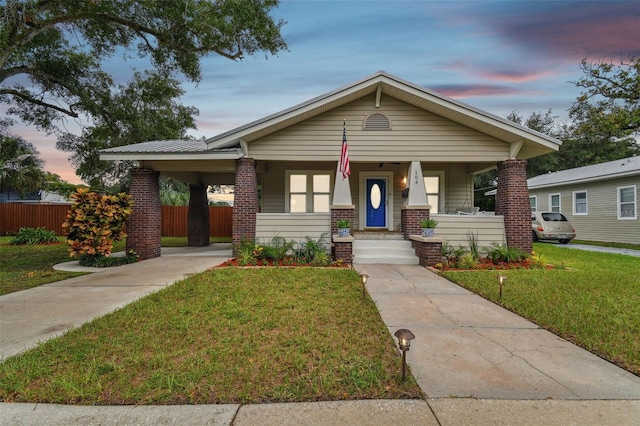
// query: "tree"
[[54, 183], [144, 110], [52, 56], [606, 115], [60, 47], [20, 166]]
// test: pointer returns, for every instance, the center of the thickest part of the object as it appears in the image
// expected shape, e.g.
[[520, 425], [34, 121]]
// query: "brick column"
[[512, 202], [245, 202], [341, 212], [198, 219], [144, 228], [410, 219]]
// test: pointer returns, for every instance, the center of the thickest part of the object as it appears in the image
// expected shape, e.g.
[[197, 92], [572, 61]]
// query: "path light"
[[363, 280], [404, 341], [501, 280]]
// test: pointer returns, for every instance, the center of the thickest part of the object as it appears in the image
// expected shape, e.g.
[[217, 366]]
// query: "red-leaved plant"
[[95, 221]]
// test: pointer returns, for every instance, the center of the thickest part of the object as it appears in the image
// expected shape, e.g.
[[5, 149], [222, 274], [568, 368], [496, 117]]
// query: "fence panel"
[[13, 216]]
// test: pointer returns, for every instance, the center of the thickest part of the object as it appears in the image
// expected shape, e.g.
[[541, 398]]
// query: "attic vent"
[[377, 121]]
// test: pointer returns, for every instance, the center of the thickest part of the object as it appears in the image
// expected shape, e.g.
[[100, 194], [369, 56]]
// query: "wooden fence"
[[14, 216]]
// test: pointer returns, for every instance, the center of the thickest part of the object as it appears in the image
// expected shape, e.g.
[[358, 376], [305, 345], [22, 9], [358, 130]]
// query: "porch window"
[[533, 200], [627, 203], [580, 204], [554, 203], [308, 191], [433, 185]]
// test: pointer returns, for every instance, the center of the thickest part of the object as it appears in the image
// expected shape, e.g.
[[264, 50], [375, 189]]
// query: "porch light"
[[404, 342], [363, 280], [501, 281]]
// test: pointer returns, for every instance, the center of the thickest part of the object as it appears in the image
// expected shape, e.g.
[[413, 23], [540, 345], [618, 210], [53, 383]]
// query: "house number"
[[415, 177]]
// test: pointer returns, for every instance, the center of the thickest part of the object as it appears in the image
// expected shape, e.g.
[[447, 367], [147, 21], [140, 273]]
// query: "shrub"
[[307, 250], [34, 236], [467, 261], [95, 221], [108, 261], [474, 248], [501, 253]]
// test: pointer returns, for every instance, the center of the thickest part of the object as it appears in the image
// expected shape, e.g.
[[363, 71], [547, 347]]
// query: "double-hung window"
[[554, 203], [580, 203], [308, 191], [627, 203], [533, 200]]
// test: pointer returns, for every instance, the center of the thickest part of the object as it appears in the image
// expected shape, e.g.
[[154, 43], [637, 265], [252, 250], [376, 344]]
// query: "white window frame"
[[534, 206], [586, 203], [309, 194], [440, 175], [635, 203], [559, 202]]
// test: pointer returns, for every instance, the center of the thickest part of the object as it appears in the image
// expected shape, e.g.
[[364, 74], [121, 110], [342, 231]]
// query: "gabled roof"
[[609, 170], [533, 143]]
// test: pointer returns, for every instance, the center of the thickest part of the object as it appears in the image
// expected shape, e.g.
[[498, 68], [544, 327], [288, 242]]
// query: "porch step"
[[388, 251]]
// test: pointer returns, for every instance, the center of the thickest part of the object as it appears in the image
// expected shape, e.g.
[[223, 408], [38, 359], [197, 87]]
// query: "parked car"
[[551, 226]]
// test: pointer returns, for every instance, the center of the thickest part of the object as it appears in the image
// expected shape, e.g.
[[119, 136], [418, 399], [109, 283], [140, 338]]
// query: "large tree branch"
[[35, 101]]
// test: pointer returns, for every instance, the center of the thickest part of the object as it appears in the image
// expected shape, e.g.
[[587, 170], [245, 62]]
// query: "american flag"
[[344, 156]]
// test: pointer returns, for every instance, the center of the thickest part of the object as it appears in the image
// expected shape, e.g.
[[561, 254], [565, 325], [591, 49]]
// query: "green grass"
[[27, 266], [593, 302], [228, 335], [23, 267]]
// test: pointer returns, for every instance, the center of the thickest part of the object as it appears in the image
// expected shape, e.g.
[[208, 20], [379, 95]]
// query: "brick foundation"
[[245, 204], [512, 202], [144, 227], [429, 251], [198, 219], [343, 251], [410, 221]]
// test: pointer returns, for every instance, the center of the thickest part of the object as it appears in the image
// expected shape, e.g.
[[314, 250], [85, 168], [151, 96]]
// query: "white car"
[[551, 226]]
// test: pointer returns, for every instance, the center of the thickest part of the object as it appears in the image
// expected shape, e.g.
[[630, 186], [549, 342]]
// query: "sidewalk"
[[477, 363]]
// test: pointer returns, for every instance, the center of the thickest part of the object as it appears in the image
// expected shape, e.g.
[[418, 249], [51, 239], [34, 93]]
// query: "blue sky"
[[499, 56]]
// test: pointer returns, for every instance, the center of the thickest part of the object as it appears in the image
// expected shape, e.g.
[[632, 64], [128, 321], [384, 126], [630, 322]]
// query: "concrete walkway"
[[477, 363], [600, 249]]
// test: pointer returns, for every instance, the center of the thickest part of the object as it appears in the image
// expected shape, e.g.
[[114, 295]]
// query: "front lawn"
[[594, 301], [228, 335], [27, 266]]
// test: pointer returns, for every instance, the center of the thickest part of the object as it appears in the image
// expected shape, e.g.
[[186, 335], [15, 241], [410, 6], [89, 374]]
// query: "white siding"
[[415, 135], [456, 228], [601, 223]]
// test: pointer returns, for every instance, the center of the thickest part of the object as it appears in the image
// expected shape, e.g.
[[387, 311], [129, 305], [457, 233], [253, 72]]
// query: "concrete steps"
[[392, 250]]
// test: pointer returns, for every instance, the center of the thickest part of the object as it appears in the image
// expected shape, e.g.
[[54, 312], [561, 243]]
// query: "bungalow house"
[[412, 153], [600, 201]]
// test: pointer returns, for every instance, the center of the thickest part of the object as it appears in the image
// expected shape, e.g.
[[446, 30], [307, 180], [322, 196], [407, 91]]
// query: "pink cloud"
[[461, 91]]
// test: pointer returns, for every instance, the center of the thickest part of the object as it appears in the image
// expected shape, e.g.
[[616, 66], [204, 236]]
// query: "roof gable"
[[528, 142]]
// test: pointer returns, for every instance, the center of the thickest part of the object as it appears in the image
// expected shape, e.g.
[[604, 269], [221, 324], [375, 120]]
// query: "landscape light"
[[363, 280], [404, 342]]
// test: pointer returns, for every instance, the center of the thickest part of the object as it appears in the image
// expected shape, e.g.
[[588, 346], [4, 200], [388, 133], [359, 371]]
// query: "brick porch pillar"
[[144, 228], [198, 219], [410, 218], [245, 202], [512, 202]]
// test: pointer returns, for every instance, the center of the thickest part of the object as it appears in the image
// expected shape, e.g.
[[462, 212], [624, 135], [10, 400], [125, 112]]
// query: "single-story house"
[[412, 154], [600, 201]]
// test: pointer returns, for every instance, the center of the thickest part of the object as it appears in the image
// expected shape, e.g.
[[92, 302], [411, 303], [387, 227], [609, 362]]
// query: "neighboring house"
[[42, 196], [399, 136], [600, 201]]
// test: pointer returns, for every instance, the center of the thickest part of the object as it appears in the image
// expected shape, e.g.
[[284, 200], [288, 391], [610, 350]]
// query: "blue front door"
[[376, 200]]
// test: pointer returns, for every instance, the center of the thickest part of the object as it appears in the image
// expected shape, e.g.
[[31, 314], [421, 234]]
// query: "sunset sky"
[[499, 56]]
